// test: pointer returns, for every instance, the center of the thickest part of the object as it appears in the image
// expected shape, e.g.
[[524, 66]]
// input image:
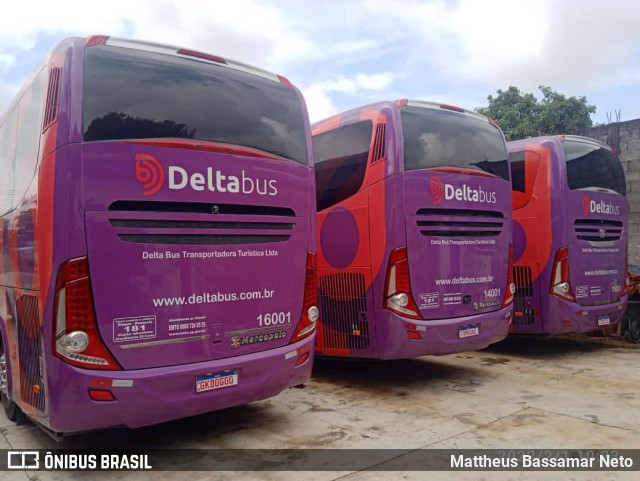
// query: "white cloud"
[[6, 61], [370, 47], [242, 29], [319, 103], [519, 42], [378, 81], [317, 94]]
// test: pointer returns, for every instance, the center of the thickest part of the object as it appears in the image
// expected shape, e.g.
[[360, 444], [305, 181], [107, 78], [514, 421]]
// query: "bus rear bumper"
[[567, 317], [439, 337], [151, 396]]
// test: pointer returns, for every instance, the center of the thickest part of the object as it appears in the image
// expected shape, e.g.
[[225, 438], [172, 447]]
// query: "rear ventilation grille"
[[597, 230], [461, 213], [197, 224], [450, 223], [51, 108], [199, 208], [201, 239], [343, 304], [524, 314], [30, 352], [377, 152]]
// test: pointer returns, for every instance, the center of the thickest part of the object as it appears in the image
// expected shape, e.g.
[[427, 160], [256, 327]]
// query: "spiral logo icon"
[[436, 187], [150, 173], [586, 205]]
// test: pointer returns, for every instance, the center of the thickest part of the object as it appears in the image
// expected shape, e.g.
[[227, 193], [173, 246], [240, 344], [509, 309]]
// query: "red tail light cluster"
[[398, 297], [309, 317], [560, 280], [76, 339], [511, 287]]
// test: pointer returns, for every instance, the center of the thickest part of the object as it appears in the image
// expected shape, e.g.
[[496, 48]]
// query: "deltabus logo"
[[150, 172], [436, 186], [440, 190], [590, 206]]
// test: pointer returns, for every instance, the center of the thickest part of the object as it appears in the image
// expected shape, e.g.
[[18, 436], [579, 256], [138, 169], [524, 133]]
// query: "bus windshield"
[[590, 165], [441, 138], [168, 96]]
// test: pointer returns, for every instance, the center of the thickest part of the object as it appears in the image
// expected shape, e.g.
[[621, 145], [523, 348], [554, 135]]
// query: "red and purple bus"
[[150, 198], [414, 231], [569, 233]]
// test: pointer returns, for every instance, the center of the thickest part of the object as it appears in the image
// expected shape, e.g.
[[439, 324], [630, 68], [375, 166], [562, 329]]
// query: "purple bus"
[[150, 197], [570, 235], [414, 231]]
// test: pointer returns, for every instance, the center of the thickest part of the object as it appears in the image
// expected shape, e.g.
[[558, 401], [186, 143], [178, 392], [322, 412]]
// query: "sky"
[[347, 53]]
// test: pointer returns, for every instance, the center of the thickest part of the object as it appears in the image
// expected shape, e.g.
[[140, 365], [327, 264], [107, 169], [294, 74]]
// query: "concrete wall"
[[625, 137]]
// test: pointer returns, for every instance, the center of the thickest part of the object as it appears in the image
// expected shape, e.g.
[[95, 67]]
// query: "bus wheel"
[[13, 412], [633, 330]]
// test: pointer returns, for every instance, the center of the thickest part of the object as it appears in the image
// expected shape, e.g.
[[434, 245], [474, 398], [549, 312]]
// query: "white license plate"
[[468, 331], [219, 380], [603, 320]]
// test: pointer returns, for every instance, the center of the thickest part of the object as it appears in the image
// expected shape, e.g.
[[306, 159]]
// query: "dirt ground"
[[523, 393]]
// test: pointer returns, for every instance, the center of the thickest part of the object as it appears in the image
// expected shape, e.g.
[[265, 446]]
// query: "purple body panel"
[[200, 275], [597, 268], [199, 298], [433, 259], [149, 396], [456, 266]]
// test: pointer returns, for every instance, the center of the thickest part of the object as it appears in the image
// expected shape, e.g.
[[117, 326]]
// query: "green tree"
[[522, 115]]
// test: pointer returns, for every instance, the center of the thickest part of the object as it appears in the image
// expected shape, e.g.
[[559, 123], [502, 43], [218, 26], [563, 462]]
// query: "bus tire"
[[11, 409]]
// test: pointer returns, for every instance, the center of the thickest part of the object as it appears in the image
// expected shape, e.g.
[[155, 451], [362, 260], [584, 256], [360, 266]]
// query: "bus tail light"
[[285, 81], [96, 40], [76, 339], [398, 297], [560, 281], [309, 317], [202, 55], [511, 287], [454, 108]]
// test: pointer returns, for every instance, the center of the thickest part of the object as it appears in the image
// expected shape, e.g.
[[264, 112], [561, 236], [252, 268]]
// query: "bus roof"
[[405, 102], [185, 53], [561, 138]]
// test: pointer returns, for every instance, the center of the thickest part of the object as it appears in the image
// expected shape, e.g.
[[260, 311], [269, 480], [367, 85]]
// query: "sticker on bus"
[[603, 320], [430, 300], [209, 382], [468, 331], [138, 328]]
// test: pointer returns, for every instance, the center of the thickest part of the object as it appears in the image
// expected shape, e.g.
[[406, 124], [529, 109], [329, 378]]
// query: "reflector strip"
[[112, 383]]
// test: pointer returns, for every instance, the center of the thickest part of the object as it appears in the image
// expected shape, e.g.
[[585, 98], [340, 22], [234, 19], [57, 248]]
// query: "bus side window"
[[340, 157], [28, 137], [524, 169], [7, 160]]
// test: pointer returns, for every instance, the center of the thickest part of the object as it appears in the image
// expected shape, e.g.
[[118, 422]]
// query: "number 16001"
[[274, 318]]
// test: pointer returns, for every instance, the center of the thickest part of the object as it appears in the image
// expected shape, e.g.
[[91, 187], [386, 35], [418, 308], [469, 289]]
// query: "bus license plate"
[[219, 380], [468, 331], [603, 320]]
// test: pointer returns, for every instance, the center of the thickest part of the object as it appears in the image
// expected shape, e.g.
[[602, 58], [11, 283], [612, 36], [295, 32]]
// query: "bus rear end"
[[448, 286], [186, 273], [588, 273]]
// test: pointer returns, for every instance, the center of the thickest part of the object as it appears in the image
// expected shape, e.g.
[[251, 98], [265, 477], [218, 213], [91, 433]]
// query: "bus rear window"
[[133, 94], [441, 138], [590, 165]]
